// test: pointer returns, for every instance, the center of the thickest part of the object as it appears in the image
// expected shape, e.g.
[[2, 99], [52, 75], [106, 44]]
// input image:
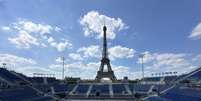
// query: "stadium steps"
[[150, 89], [162, 80], [180, 79], [19, 76], [149, 98], [30, 85], [74, 89], [155, 98], [89, 90], [7, 75], [127, 89], [45, 81], [189, 74], [12, 75], [52, 90], [6, 81], [183, 94], [111, 91]]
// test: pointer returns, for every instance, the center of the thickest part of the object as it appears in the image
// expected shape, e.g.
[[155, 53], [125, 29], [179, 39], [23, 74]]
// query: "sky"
[[36, 33]]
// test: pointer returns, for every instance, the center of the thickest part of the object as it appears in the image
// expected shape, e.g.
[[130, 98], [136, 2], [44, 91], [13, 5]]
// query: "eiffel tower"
[[105, 61]]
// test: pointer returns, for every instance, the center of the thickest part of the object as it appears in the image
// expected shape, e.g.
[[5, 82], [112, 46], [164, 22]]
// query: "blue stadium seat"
[[143, 88], [43, 98], [61, 88], [161, 87], [9, 76], [183, 94], [156, 98], [82, 88], [119, 89], [152, 79], [18, 94], [103, 88]]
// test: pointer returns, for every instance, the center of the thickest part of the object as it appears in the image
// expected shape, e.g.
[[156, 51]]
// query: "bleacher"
[[152, 79], [43, 88], [53, 88], [159, 88], [43, 80], [82, 89], [52, 80], [4, 85], [18, 94], [60, 88], [156, 98], [193, 75], [183, 94], [169, 79], [119, 89], [37, 80], [197, 74], [10, 77], [100, 90], [140, 88], [43, 98]]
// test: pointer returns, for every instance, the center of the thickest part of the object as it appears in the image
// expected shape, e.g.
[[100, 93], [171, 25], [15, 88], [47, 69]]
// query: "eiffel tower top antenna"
[[105, 52]]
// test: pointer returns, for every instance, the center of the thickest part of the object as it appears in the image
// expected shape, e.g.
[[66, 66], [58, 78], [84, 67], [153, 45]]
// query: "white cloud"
[[91, 51], [172, 62], [57, 29], [165, 62], [121, 52], [50, 39], [17, 61], [93, 22], [59, 60], [197, 57], [30, 33], [116, 52], [78, 69], [196, 33], [75, 56], [32, 27], [27, 66], [147, 57], [24, 40], [61, 46], [6, 28]]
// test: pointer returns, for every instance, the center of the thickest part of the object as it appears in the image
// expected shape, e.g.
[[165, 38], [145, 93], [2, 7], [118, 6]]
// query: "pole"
[[142, 56], [63, 59], [4, 65], [142, 67]]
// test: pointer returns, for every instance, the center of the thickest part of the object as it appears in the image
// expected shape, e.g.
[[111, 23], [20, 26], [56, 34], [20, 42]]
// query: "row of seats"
[[7, 75], [103, 89], [58, 88], [117, 88], [18, 94], [43, 80], [152, 79], [144, 88]]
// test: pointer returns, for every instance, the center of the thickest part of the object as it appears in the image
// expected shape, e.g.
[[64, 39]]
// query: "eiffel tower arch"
[[105, 61]]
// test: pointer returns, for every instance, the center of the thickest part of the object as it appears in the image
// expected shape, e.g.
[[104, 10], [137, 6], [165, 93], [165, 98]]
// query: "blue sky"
[[34, 33]]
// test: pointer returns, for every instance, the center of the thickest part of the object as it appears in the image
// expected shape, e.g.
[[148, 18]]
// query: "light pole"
[[4, 65], [142, 56], [63, 64]]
